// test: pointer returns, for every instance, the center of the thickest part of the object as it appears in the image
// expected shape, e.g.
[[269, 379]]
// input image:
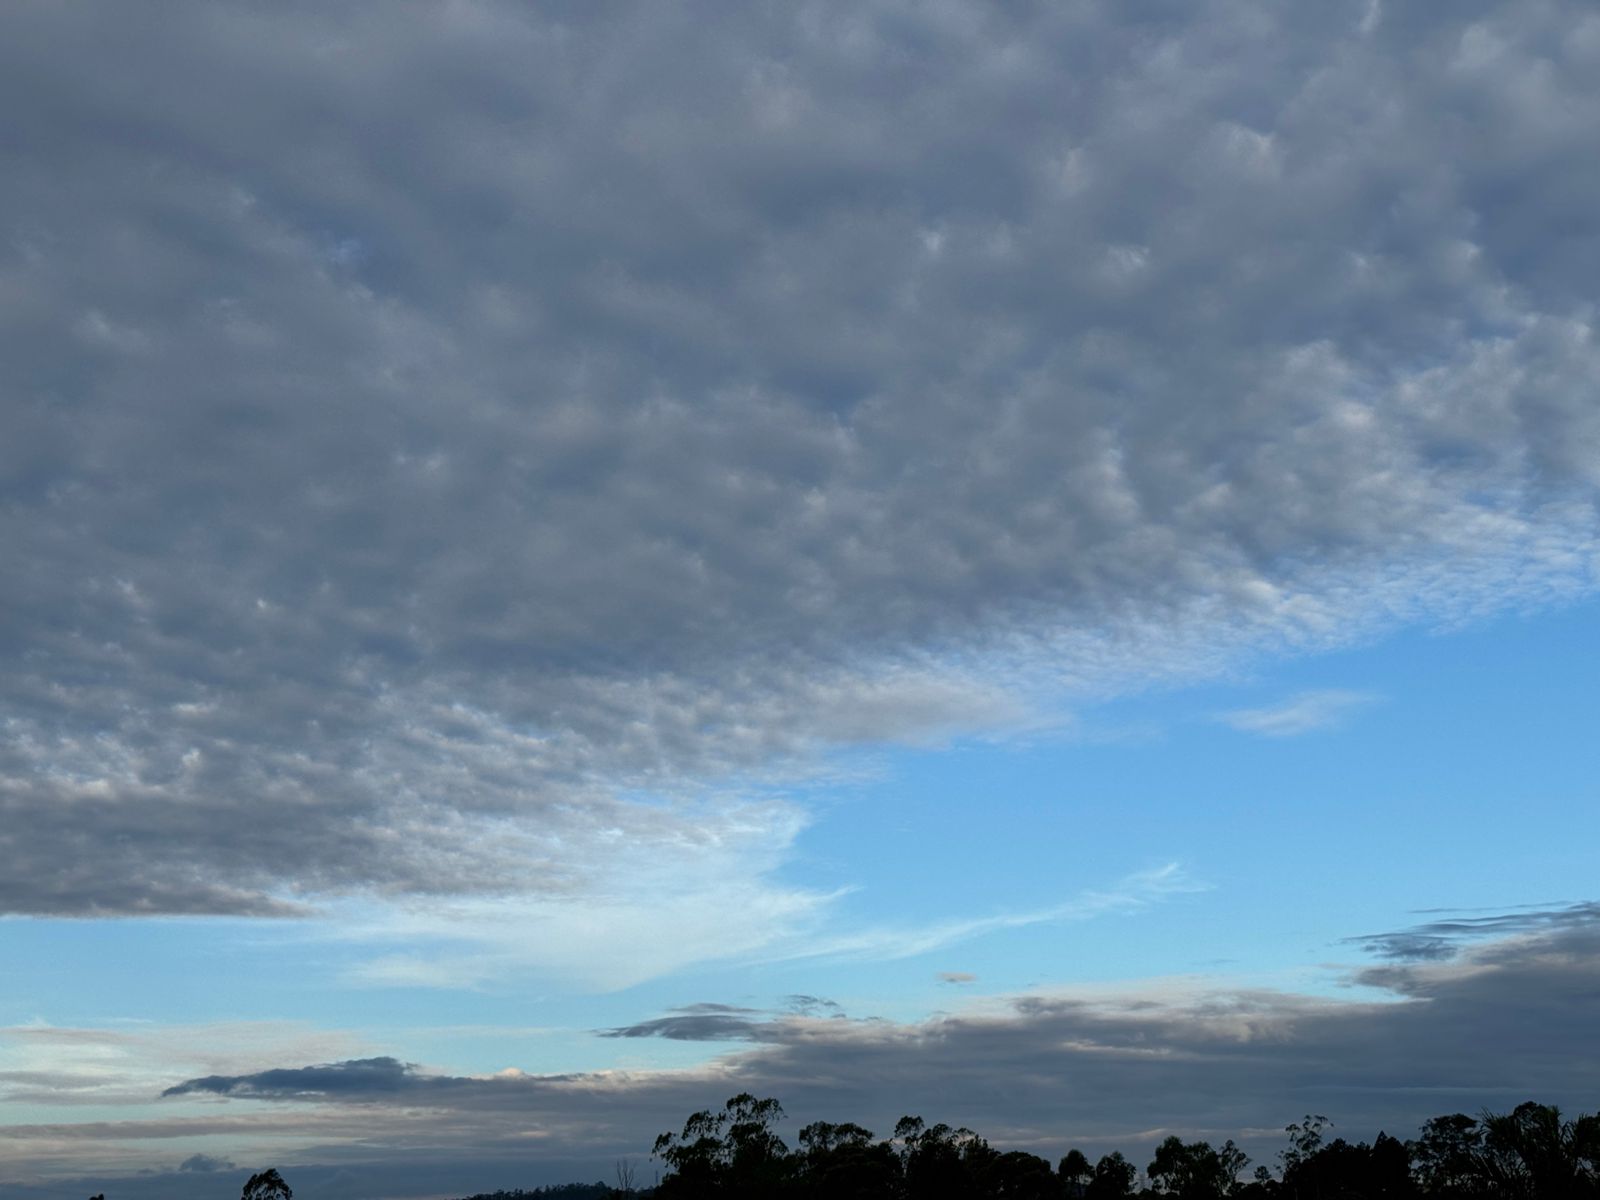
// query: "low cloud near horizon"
[[1102, 1069]]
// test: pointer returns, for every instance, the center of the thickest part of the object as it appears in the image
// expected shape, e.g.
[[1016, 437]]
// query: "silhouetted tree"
[[734, 1152], [1017, 1175], [1074, 1172], [1530, 1153], [1113, 1178], [1195, 1171], [266, 1185], [625, 1177], [1304, 1139], [844, 1161], [938, 1162], [1448, 1157], [1341, 1171], [1262, 1186]]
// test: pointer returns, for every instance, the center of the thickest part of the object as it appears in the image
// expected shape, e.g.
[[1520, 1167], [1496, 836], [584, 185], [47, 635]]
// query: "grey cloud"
[[1514, 1020], [1408, 947], [205, 1163], [719, 1022], [709, 1008], [726, 1022], [1443, 939], [708, 1028], [814, 1006], [360, 1076], [427, 429]]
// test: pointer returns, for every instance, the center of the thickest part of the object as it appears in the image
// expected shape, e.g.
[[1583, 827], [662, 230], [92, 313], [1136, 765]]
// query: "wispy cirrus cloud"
[[1304, 712], [651, 931], [1132, 893]]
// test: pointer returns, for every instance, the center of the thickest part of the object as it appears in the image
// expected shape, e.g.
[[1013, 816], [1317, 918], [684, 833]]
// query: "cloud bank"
[[470, 450], [1041, 1071]]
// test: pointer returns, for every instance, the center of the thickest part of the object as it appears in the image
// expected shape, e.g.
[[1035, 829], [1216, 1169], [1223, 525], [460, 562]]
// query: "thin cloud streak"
[[1305, 712], [643, 936], [1131, 894]]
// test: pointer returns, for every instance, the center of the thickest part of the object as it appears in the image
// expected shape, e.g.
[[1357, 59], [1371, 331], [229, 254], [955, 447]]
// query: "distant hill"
[[555, 1191]]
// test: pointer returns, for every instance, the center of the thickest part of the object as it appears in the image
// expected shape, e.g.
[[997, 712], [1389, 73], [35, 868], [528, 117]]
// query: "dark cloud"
[[205, 1163], [1439, 940], [728, 1023], [814, 1006], [360, 1076], [709, 1008], [1513, 1019], [427, 429], [707, 1028], [714, 1022]]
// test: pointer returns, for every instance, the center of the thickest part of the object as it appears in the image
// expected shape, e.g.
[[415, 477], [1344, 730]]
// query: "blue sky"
[[567, 563]]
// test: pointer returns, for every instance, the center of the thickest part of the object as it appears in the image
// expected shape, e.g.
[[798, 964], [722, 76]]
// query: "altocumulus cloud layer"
[[431, 430]]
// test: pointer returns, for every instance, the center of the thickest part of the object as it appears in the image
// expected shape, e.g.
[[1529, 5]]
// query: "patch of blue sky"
[[1453, 770]]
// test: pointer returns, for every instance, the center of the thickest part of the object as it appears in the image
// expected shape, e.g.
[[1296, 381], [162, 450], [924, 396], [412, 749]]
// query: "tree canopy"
[[1531, 1153]]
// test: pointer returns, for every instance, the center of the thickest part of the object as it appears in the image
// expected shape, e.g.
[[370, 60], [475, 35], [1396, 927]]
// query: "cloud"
[[455, 454], [47, 1068], [651, 928], [957, 977], [358, 1076], [1106, 1067], [1133, 893], [695, 1028], [815, 1006], [730, 1023], [205, 1163], [1443, 939], [1301, 713]]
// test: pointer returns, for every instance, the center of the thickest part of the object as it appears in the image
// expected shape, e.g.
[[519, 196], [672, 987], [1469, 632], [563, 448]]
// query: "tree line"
[[1530, 1153], [735, 1153]]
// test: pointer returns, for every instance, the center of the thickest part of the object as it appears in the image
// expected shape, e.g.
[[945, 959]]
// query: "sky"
[[1029, 564]]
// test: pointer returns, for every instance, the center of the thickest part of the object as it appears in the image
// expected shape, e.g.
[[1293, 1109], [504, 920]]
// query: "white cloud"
[[1304, 712], [1130, 894]]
